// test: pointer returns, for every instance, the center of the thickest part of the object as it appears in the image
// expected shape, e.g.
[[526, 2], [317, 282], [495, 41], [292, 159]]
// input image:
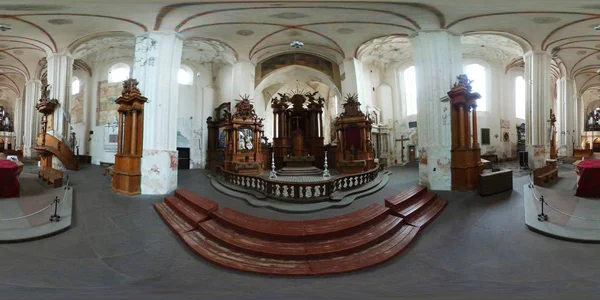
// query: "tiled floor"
[[118, 248]]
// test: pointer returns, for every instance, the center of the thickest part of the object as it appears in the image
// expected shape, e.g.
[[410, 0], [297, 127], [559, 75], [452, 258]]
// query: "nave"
[[118, 247]]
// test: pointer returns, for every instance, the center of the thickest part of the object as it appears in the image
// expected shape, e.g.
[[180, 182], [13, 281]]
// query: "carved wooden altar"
[[126, 176], [354, 130], [298, 129], [235, 139], [466, 154], [553, 150]]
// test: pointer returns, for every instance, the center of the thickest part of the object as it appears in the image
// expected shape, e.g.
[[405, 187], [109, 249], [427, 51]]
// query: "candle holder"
[[273, 173], [326, 173]]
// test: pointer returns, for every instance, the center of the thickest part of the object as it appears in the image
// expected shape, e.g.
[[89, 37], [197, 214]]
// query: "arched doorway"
[[596, 145], [1, 145]]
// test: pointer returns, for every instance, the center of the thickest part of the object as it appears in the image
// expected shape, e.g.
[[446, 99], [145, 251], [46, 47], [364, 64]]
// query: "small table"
[[9, 182]]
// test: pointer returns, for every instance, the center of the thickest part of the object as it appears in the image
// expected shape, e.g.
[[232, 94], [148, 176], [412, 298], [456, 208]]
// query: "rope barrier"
[[541, 199], [54, 202]]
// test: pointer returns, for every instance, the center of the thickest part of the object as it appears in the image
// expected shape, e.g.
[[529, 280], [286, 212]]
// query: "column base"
[[536, 156], [434, 168], [159, 172]]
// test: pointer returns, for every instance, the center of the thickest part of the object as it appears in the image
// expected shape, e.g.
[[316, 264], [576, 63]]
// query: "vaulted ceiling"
[[253, 30]]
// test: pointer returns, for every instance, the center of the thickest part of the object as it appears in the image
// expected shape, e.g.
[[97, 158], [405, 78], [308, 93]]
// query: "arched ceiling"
[[250, 30]]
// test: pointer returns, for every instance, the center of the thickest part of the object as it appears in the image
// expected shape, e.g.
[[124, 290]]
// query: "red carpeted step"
[[260, 226], [186, 211], [198, 202], [404, 196], [230, 237], [376, 254], [347, 223], [174, 221], [356, 241], [427, 215], [229, 258], [418, 204]]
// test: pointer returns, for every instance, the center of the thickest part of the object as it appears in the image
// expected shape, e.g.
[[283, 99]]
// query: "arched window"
[[410, 90], [520, 97], [476, 72], [118, 72], [185, 76], [75, 86]]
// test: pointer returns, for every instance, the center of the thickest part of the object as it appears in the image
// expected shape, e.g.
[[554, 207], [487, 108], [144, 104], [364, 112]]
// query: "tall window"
[[118, 72], [476, 72], [410, 90], [520, 97], [185, 75], [75, 86]]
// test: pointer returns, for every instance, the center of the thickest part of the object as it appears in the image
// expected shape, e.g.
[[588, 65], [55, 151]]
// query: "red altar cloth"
[[9, 184], [589, 179]]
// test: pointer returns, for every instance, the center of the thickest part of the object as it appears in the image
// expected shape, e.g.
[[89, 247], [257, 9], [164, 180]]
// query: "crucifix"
[[401, 140]]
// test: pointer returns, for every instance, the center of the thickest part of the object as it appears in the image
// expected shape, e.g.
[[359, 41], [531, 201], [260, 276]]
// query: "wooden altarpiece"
[[126, 176], [466, 155], [298, 129], [354, 130], [241, 134]]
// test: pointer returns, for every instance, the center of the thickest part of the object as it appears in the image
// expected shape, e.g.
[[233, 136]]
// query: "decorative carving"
[[244, 109]]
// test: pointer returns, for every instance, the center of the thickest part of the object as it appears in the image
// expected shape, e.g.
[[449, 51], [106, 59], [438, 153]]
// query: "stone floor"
[[118, 248]]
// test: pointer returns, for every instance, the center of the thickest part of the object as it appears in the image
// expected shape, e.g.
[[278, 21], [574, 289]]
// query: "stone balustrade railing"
[[300, 191]]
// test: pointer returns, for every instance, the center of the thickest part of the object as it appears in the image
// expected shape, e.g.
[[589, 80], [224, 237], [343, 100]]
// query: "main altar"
[[295, 166]]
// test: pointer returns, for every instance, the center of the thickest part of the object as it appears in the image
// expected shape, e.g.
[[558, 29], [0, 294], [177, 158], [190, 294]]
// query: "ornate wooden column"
[[466, 157], [127, 170]]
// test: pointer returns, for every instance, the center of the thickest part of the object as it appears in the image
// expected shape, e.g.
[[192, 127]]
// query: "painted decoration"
[[106, 112], [76, 109], [302, 59]]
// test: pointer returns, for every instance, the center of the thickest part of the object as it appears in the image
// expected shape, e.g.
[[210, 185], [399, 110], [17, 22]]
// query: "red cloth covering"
[[589, 179], [9, 184]]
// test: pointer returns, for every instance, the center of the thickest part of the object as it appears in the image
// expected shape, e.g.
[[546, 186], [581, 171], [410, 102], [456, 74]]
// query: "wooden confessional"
[[126, 175]]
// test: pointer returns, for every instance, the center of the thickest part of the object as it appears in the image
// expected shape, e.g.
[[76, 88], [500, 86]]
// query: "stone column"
[[352, 81], [243, 79], [30, 124], [438, 61], [18, 123], [60, 70], [156, 64], [538, 99], [567, 116]]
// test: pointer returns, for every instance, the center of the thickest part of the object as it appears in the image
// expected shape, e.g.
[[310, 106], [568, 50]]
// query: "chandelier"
[[296, 44]]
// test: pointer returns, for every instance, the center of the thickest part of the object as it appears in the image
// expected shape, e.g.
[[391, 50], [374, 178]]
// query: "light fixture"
[[296, 44], [5, 27]]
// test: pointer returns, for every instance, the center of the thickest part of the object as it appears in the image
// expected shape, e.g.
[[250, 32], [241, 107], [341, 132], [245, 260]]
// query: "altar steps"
[[300, 171], [345, 243], [416, 205]]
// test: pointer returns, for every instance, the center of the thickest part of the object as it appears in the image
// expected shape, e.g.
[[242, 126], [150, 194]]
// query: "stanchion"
[[542, 217], [55, 217]]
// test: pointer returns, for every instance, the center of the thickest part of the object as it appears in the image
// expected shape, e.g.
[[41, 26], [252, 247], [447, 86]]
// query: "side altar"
[[355, 151], [234, 139]]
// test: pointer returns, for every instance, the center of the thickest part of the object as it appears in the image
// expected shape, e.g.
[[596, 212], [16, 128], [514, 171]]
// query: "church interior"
[[299, 149]]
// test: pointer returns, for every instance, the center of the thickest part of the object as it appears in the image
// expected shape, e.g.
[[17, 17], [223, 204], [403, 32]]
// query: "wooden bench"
[[495, 182], [51, 175], [544, 174]]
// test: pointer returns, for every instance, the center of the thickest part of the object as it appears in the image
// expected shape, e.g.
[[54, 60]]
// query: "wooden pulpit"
[[126, 178]]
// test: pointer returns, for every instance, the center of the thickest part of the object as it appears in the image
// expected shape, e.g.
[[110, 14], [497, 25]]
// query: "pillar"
[[438, 61], [567, 116], [243, 79], [18, 124], [352, 81], [538, 99], [30, 123], [157, 60], [60, 70]]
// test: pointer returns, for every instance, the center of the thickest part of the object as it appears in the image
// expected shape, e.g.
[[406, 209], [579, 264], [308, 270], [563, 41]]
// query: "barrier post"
[[542, 217], [55, 217]]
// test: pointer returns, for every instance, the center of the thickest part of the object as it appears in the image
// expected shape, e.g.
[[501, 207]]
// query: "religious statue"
[[464, 81], [369, 145], [352, 152]]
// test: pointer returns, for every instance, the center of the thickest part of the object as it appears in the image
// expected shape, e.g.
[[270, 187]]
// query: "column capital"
[[531, 53], [423, 32], [59, 54], [164, 33]]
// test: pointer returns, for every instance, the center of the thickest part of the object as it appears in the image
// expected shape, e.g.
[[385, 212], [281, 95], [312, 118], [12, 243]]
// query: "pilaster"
[[352, 80], [438, 61], [156, 64]]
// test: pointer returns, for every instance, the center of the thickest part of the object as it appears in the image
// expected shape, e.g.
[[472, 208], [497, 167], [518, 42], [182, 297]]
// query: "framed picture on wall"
[[485, 136]]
